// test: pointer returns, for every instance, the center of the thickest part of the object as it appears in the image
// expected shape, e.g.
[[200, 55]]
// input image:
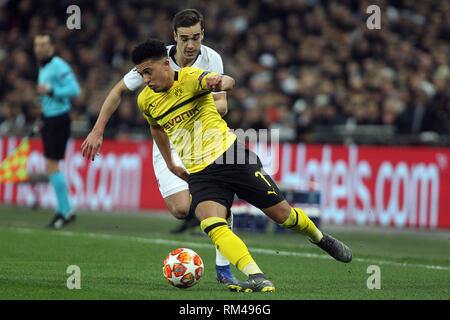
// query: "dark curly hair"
[[150, 49]]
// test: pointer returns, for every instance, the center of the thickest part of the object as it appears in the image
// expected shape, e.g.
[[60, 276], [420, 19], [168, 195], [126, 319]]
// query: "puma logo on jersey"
[[271, 192]]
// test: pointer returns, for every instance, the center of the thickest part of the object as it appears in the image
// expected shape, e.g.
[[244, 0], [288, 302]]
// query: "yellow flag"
[[14, 167]]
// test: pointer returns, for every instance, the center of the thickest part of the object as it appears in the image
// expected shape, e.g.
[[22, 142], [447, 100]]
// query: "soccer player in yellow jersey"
[[188, 51], [179, 106]]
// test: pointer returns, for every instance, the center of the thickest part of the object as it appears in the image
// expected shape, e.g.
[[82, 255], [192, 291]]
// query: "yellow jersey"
[[188, 114]]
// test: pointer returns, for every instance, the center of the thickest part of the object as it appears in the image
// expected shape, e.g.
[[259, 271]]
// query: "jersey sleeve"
[[200, 79], [149, 119], [216, 63], [133, 80]]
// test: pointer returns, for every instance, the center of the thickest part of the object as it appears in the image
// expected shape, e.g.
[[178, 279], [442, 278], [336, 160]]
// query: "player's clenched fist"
[[214, 83]]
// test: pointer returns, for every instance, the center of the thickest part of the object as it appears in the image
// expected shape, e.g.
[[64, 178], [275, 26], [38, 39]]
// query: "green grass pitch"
[[120, 257]]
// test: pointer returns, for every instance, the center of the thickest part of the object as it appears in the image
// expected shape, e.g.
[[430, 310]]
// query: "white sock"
[[221, 260]]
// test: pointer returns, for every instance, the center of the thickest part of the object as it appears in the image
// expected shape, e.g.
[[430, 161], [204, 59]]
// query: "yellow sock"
[[299, 222], [251, 268], [229, 244]]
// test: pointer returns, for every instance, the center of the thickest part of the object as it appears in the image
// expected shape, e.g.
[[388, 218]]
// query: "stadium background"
[[311, 69], [364, 114]]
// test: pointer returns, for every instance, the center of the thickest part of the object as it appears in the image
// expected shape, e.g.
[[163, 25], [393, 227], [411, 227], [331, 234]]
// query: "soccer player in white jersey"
[[188, 26]]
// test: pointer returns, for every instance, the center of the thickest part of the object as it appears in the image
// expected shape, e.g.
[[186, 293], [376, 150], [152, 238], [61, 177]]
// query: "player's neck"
[[170, 79], [183, 62]]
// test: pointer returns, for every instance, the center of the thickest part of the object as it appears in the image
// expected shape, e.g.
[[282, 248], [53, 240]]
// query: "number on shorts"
[[259, 174]]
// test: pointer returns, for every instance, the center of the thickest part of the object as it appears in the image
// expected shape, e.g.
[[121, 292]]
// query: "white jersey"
[[207, 59]]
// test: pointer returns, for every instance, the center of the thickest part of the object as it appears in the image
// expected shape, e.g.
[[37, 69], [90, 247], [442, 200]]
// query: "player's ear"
[[175, 36], [166, 63], [202, 34]]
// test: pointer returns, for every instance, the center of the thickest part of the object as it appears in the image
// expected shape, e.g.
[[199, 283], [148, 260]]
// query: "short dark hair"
[[48, 34], [150, 49], [188, 18]]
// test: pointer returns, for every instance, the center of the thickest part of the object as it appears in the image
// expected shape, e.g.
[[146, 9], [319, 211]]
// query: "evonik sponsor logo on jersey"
[[181, 117]]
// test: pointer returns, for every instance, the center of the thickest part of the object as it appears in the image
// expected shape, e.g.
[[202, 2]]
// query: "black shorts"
[[55, 133], [237, 172]]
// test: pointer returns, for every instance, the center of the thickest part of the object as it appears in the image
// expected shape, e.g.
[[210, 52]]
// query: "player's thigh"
[[246, 175], [256, 187], [208, 186]]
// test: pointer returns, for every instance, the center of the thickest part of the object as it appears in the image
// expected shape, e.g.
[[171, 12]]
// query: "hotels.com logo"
[[367, 191]]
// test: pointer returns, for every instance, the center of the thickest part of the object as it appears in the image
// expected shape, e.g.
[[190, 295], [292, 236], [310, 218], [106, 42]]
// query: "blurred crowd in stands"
[[299, 65]]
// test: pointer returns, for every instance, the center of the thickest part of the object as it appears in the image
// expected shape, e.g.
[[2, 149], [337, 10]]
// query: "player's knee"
[[179, 212], [178, 204], [51, 166]]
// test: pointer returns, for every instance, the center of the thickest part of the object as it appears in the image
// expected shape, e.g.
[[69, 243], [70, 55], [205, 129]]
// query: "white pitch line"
[[204, 245]]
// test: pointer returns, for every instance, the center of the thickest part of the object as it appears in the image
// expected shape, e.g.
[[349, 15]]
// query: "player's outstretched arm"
[[162, 141], [217, 83], [93, 142]]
